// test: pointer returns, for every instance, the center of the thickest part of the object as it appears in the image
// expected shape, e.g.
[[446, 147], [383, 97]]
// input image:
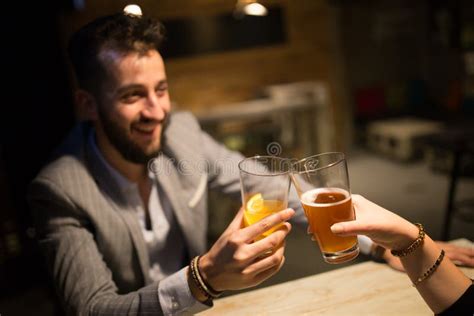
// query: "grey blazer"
[[93, 244]]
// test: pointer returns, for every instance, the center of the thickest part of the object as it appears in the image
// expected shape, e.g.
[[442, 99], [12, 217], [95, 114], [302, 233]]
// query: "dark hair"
[[121, 33]]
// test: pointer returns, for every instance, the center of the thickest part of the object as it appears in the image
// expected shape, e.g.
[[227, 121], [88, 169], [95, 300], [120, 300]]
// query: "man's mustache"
[[148, 122]]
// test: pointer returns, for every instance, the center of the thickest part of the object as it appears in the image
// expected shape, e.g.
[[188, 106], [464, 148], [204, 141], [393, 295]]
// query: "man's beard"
[[120, 139]]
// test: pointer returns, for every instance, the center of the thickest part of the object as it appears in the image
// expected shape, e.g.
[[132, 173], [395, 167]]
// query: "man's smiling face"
[[134, 104]]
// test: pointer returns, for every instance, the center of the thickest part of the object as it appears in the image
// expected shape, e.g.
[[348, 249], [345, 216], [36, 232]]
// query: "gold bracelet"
[[416, 243], [431, 270]]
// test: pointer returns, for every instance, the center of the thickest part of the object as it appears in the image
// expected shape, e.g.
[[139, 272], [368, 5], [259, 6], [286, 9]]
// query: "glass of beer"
[[322, 183], [265, 183]]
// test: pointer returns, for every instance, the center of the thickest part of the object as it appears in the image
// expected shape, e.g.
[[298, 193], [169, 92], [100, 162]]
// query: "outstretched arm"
[[461, 256], [443, 287]]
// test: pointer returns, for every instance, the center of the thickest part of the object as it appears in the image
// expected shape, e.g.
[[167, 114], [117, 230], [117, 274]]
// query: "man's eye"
[[161, 90], [130, 97]]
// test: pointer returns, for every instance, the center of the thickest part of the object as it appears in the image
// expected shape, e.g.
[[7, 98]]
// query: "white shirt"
[[164, 241]]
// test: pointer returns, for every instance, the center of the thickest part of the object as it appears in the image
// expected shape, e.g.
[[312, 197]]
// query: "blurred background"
[[390, 83]]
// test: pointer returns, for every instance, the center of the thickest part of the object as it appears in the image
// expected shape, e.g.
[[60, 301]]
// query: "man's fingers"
[[262, 276], [453, 248], [265, 263], [254, 230], [461, 258], [460, 255], [270, 242], [237, 221]]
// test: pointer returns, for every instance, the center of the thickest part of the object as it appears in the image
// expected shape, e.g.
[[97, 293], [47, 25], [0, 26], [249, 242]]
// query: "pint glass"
[[322, 183], [265, 183]]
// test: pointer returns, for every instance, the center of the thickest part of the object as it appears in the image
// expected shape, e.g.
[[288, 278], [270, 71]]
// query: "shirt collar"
[[123, 183]]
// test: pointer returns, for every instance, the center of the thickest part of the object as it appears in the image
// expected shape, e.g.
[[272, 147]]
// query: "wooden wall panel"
[[221, 78]]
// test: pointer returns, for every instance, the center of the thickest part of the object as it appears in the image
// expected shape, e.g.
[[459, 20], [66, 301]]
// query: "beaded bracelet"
[[192, 271], [431, 270], [206, 289], [416, 243], [213, 293]]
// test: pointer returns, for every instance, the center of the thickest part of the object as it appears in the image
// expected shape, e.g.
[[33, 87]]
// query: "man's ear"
[[86, 104]]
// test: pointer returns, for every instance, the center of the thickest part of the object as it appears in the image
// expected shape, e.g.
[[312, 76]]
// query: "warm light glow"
[[133, 9], [255, 9], [249, 7]]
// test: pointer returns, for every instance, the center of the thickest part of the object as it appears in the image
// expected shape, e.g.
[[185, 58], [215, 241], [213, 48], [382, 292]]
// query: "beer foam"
[[309, 197]]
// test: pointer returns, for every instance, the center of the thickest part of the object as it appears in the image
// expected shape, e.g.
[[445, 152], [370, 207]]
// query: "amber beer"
[[322, 183], [325, 207]]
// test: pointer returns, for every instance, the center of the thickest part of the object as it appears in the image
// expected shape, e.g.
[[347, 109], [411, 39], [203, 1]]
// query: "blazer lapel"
[[117, 201], [190, 221]]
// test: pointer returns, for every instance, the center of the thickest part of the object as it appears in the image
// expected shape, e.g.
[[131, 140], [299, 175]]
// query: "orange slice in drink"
[[254, 208], [257, 208]]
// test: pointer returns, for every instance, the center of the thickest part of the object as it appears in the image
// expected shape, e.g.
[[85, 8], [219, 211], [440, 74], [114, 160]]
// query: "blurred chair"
[[456, 148]]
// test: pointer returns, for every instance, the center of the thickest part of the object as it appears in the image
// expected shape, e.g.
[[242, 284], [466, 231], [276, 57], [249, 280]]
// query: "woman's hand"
[[382, 226], [393, 232]]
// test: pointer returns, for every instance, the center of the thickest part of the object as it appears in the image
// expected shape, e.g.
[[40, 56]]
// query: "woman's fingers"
[[350, 228]]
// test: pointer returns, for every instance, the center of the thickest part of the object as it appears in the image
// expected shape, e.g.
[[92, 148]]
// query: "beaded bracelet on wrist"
[[192, 272], [415, 244], [205, 288], [430, 271], [213, 293]]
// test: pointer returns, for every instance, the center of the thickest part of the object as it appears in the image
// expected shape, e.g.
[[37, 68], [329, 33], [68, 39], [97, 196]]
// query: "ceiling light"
[[249, 7], [255, 9], [133, 9]]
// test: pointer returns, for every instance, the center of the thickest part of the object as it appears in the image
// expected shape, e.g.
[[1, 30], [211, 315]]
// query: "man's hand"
[[459, 255], [235, 262]]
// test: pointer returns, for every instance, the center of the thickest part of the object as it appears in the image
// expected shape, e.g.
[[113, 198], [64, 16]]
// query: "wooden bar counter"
[[367, 288]]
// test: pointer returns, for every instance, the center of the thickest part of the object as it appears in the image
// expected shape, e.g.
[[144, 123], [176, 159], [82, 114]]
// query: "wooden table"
[[367, 288]]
